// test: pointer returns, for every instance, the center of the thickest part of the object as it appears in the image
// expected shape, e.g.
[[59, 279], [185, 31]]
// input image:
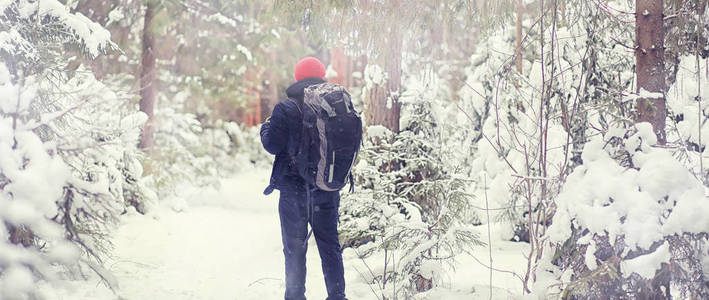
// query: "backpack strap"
[[294, 151], [310, 210], [351, 178]]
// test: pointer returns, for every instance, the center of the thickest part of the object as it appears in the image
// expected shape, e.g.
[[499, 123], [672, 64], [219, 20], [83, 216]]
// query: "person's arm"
[[274, 132]]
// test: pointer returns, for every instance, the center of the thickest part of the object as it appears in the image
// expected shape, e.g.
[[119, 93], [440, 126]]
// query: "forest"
[[512, 149]]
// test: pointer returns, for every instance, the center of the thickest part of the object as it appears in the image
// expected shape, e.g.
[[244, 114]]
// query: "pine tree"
[[69, 156]]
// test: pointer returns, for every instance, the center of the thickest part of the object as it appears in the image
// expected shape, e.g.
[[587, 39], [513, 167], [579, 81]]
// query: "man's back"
[[282, 133]]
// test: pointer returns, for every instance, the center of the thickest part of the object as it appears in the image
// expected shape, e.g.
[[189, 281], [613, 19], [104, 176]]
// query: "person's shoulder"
[[287, 107], [286, 104]]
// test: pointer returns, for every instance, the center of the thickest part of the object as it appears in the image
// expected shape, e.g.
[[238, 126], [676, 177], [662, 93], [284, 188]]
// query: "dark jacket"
[[281, 136]]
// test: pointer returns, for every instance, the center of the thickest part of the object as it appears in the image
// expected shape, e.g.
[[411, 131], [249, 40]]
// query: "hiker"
[[310, 202]]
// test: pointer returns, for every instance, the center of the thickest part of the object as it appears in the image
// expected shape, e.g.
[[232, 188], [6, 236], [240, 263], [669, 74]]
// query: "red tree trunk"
[[650, 64], [253, 107], [147, 76], [339, 63], [270, 95]]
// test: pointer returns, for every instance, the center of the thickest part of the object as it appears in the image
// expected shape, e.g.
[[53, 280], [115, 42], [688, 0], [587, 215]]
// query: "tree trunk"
[[562, 12], [359, 63], [518, 49], [253, 107], [383, 107], [147, 75], [270, 95], [350, 67], [650, 64], [339, 63]]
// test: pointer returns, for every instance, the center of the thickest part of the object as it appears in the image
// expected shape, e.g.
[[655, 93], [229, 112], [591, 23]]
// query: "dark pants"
[[294, 210]]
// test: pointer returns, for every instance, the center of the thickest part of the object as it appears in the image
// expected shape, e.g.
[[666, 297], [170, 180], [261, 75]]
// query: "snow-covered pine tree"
[[410, 207], [186, 152], [650, 187], [532, 126], [70, 165], [583, 91], [629, 223], [32, 178]]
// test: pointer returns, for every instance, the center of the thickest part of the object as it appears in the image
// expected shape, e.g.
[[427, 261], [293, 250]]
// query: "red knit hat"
[[309, 67]]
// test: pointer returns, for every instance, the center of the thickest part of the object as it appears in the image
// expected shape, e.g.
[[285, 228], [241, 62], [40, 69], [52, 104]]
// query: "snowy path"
[[226, 247], [226, 244]]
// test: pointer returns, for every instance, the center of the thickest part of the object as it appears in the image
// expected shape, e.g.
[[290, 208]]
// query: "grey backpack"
[[330, 138]]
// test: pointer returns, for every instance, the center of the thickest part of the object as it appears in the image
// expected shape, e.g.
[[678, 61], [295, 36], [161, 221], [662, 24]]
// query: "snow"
[[275, 33], [658, 197], [65, 253], [241, 70], [5, 4], [682, 100], [646, 265], [245, 51], [16, 280], [116, 15], [37, 179], [330, 72], [222, 19], [374, 74], [17, 99], [643, 94], [378, 131], [590, 257], [11, 41], [94, 37], [32, 179], [133, 120], [225, 244], [222, 240]]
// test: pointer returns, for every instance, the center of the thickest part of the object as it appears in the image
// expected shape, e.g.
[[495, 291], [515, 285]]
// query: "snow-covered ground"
[[226, 244]]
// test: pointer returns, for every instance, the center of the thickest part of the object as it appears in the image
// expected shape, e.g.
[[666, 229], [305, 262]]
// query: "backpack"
[[330, 138]]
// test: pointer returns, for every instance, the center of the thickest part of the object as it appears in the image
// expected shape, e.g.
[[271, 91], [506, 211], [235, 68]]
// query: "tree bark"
[[270, 87], [253, 107], [21, 235], [650, 64], [383, 107], [339, 63], [147, 75], [518, 49]]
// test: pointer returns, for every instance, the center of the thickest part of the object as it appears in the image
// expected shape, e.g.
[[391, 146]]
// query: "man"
[[281, 135]]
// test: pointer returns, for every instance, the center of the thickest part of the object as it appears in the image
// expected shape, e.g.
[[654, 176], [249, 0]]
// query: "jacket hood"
[[296, 90]]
